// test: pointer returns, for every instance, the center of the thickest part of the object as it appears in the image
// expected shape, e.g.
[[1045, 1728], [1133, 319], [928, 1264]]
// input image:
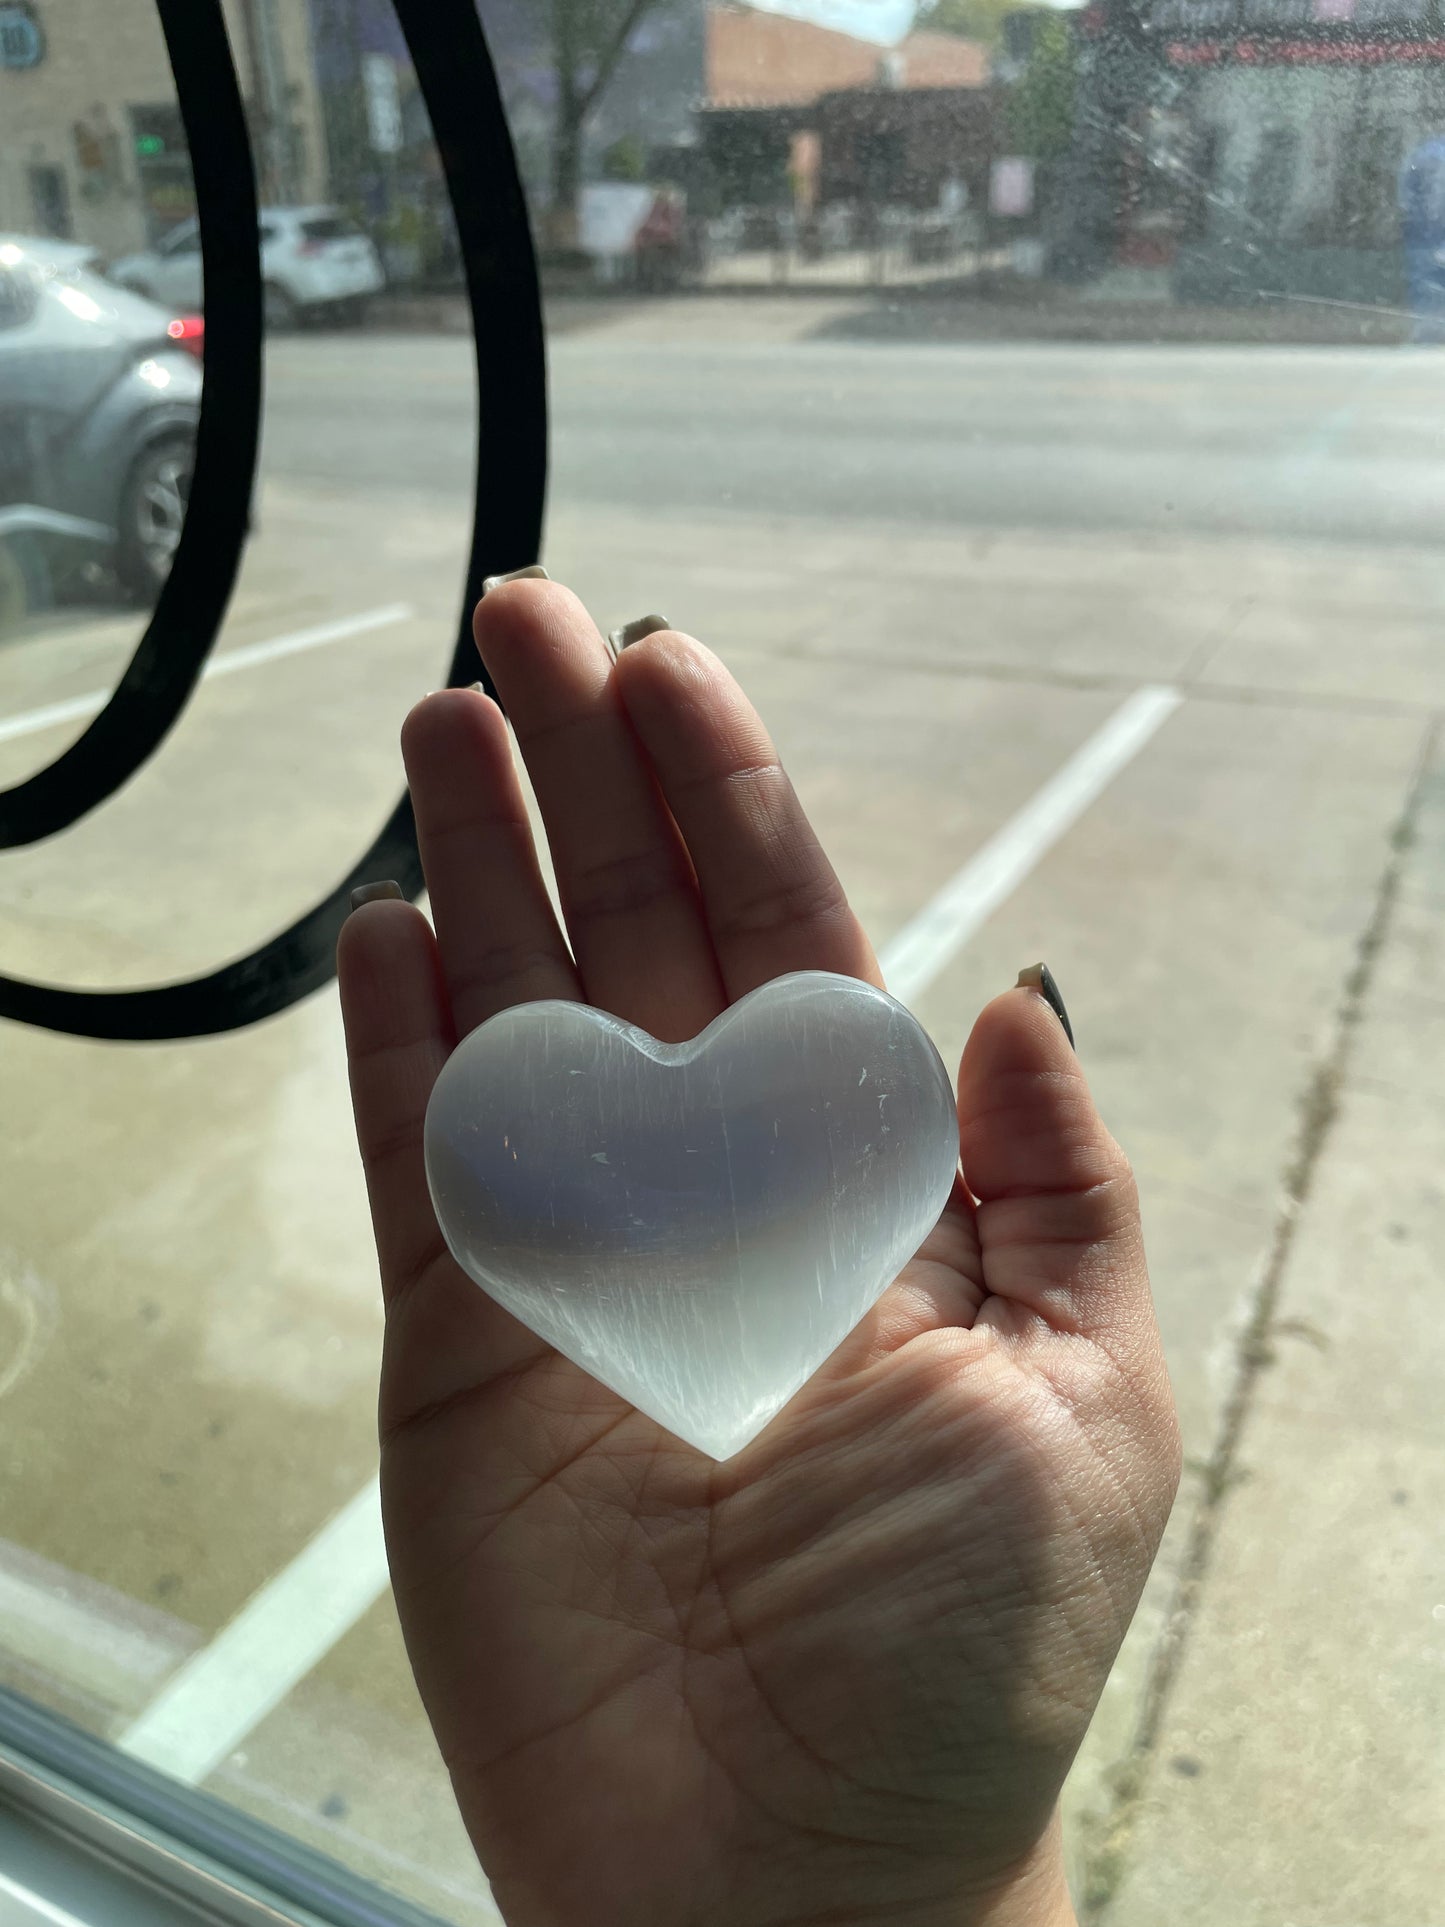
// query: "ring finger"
[[499, 941]]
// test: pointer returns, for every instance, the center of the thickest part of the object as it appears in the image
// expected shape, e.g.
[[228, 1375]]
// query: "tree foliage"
[[625, 160], [588, 39], [1039, 114], [980, 20]]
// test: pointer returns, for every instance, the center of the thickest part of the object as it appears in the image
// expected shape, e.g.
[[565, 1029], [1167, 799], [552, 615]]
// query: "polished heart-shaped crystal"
[[698, 1225]]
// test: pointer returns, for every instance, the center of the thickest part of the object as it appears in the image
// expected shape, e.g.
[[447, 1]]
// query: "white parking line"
[[115, 1649], [33, 1907], [224, 1691], [924, 947], [29, 721], [30, 520], [219, 1695]]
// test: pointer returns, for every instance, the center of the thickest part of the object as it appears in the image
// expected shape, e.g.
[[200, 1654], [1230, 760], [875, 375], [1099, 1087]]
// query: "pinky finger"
[[398, 1036]]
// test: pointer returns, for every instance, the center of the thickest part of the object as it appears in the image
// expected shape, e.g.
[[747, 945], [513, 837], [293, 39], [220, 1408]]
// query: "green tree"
[[625, 160], [588, 39], [1039, 111], [980, 20]]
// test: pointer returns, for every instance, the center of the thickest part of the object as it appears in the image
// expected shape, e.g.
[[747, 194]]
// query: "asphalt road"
[[1346, 444], [955, 579]]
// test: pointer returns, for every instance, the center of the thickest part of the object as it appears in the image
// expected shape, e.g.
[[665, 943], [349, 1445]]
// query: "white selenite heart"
[[698, 1225]]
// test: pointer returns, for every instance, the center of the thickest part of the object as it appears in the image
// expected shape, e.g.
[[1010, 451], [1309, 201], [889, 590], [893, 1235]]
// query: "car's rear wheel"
[[153, 513], [281, 309]]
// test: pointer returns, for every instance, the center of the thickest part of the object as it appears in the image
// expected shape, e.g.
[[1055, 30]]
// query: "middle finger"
[[624, 877]]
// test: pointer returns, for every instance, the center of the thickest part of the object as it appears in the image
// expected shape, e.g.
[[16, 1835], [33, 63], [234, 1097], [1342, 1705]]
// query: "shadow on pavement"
[[1029, 311]]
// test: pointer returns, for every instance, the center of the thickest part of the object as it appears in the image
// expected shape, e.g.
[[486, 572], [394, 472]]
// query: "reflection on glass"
[[100, 392], [99, 387], [957, 369]]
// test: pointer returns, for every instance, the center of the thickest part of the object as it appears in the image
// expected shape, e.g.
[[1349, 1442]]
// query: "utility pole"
[[359, 179], [270, 102]]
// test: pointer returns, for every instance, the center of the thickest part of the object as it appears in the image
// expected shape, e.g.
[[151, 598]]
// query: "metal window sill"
[[91, 1838]]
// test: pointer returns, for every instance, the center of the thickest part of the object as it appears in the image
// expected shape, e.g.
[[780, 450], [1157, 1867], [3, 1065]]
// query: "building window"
[[50, 202], [1367, 211], [1271, 181], [163, 163], [1200, 184]]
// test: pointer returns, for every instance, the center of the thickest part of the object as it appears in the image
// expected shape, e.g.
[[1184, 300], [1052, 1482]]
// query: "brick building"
[[768, 59], [866, 124]]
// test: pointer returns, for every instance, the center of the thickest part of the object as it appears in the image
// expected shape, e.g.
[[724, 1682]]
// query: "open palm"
[[842, 1676]]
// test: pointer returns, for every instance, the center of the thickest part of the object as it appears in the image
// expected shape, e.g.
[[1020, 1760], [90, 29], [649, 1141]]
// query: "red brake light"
[[190, 332]]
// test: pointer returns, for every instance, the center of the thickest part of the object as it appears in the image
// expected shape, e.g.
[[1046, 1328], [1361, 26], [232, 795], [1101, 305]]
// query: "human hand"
[[841, 1677]]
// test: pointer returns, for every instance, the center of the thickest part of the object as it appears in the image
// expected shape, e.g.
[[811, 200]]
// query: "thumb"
[[1058, 1212]]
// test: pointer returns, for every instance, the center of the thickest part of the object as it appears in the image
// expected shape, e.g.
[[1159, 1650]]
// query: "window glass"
[[185, 239], [102, 398], [329, 227], [184, 1416], [18, 293], [1038, 409]]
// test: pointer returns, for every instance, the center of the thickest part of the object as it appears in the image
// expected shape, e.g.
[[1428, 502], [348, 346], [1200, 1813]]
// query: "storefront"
[[1298, 118], [94, 149], [884, 147]]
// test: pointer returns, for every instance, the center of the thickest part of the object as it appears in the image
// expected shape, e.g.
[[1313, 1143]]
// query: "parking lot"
[[1124, 657]]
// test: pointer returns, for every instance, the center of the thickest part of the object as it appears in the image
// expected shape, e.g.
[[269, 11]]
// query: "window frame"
[[19, 311], [183, 239], [101, 1813]]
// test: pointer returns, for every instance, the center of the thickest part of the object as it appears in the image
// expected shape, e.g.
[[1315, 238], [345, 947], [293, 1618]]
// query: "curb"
[[906, 315]]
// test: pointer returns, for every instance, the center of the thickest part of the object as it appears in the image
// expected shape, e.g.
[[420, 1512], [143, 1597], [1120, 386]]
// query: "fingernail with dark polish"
[[375, 893], [1040, 978], [634, 631], [534, 572]]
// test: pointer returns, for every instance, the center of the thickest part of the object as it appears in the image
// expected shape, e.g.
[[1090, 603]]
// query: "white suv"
[[313, 261]]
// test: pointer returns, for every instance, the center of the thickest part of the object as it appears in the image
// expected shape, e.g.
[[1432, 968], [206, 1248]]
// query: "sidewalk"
[[1289, 1764], [925, 307], [763, 269], [1007, 309]]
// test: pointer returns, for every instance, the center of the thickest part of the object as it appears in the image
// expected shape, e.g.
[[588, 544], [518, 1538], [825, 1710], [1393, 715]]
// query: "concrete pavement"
[[1290, 1763], [938, 574], [841, 302]]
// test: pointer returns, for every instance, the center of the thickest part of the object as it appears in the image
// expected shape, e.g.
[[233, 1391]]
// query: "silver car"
[[100, 392]]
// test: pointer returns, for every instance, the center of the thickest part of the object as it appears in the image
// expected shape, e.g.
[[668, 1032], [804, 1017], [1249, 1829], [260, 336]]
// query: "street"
[[1214, 441], [943, 572]]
